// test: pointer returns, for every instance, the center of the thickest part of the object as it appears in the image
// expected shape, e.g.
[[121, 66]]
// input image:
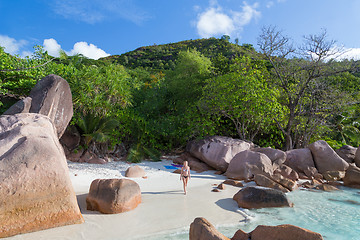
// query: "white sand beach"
[[164, 206]]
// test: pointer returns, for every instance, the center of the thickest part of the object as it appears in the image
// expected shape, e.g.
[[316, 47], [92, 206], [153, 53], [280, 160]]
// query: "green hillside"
[[163, 57]]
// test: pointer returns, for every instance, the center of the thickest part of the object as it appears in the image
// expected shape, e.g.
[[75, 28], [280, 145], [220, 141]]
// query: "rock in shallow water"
[[258, 197], [202, 229], [283, 232], [35, 188], [352, 177]]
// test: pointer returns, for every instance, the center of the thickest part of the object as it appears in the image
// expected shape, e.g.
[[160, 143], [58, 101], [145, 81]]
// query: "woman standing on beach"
[[185, 175]]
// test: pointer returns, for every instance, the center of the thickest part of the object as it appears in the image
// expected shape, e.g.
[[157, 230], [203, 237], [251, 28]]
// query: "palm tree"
[[96, 129]]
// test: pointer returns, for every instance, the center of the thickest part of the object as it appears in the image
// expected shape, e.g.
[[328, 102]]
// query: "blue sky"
[[97, 28]]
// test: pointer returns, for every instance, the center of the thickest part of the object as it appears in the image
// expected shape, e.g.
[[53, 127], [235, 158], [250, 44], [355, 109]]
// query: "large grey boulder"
[[283, 232], [246, 164], [51, 97], [352, 177], [35, 188], [202, 229], [217, 151], [259, 197], [347, 153], [113, 195], [135, 172], [276, 156], [300, 160], [357, 157], [265, 181], [325, 158]]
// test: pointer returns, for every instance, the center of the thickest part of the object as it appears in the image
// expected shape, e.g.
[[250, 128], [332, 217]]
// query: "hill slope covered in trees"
[[163, 57], [160, 97]]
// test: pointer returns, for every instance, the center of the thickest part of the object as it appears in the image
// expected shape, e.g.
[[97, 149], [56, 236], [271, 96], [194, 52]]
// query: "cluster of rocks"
[[201, 229], [72, 143], [35, 188], [268, 167]]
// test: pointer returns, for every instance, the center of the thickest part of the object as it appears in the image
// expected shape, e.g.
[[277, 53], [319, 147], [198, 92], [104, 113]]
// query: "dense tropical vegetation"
[[157, 98]]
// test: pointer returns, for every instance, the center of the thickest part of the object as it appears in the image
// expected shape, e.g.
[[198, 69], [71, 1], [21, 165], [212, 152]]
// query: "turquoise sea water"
[[335, 215]]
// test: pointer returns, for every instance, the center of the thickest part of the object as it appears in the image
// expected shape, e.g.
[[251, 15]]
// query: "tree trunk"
[[289, 140]]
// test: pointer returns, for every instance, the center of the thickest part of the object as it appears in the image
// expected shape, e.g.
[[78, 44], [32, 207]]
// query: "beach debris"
[[260, 197], [264, 181], [135, 172], [248, 163], [35, 187], [283, 232], [352, 177], [334, 175], [276, 156], [113, 196], [217, 151], [300, 160], [347, 153], [325, 158], [233, 183], [215, 190], [51, 97], [202, 229]]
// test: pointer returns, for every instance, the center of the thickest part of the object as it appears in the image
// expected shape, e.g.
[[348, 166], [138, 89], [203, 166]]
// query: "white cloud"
[[93, 11], [349, 53], [246, 15], [52, 47], [11, 45], [215, 21], [88, 50]]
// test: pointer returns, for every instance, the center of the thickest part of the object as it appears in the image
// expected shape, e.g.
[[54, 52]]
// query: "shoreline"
[[164, 207]]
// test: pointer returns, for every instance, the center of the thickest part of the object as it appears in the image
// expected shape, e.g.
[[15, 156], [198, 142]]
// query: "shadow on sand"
[[165, 192], [81, 198], [230, 205]]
